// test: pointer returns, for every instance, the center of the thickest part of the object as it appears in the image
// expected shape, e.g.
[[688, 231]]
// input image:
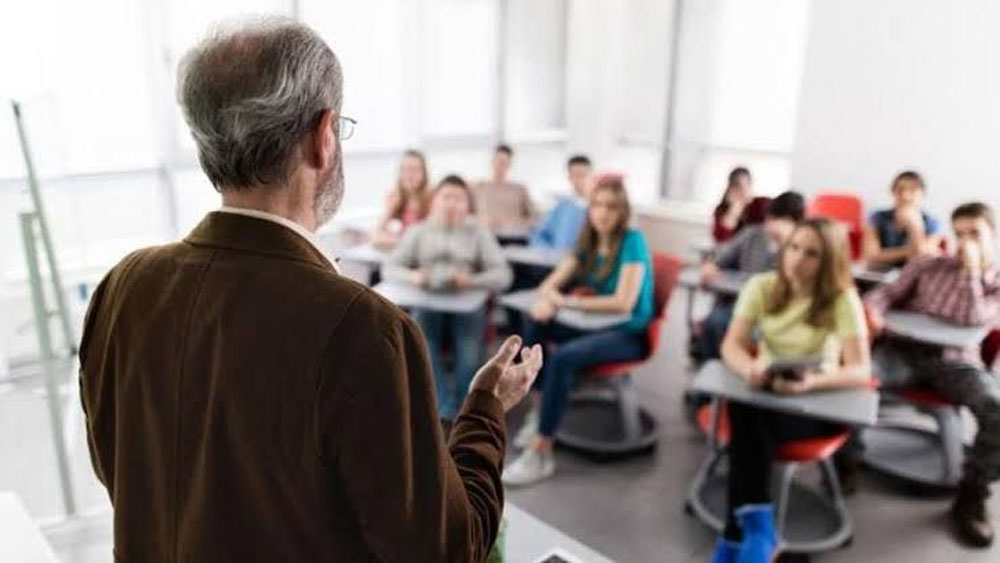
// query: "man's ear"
[[323, 141]]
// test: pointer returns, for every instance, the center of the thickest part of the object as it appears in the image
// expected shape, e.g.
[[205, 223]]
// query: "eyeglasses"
[[346, 127]]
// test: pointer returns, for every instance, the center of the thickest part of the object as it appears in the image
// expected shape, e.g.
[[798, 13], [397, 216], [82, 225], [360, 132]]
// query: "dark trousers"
[[577, 351], [907, 364], [714, 327], [754, 439]]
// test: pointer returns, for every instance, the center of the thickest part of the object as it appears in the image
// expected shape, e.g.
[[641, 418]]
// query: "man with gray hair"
[[244, 401]]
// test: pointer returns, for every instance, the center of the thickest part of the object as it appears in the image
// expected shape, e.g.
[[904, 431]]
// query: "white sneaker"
[[529, 468], [528, 430]]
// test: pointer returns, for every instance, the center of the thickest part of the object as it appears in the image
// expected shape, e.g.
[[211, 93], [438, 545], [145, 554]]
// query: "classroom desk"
[[872, 276], [852, 407], [704, 249], [533, 256], [408, 296], [365, 254], [729, 284], [573, 318], [20, 538], [529, 540], [930, 330]]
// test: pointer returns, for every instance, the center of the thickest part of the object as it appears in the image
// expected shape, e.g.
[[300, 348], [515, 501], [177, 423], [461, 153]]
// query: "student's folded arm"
[[736, 346], [978, 301], [560, 276], [855, 369], [496, 274], [378, 432], [887, 295], [626, 293], [874, 252]]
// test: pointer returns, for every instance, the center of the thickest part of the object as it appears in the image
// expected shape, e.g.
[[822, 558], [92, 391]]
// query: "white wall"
[[897, 84]]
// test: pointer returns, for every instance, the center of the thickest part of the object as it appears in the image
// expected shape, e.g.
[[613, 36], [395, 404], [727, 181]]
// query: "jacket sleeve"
[[415, 498]]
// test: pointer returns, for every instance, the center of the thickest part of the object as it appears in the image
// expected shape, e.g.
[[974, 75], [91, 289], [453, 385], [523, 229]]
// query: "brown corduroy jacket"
[[246, 403]]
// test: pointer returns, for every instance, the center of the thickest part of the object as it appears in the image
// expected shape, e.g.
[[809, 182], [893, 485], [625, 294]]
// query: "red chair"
[[713, 419], [847, 209], [618, 426], [911, 452]]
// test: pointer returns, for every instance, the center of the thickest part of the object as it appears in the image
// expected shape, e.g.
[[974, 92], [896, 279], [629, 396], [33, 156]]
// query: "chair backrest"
[[666, 271], [990, 347], [847, 209]]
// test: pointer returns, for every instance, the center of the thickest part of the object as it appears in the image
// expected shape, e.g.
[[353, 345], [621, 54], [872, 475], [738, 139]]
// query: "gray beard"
[[329, 195]]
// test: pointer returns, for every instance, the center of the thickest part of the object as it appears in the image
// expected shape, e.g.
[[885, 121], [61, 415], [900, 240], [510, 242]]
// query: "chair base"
[[913, 455], [595, 425], [814, 523]]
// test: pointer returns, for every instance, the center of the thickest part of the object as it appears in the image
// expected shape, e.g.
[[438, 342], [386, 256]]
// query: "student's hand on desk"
[[543, 310], [509, 382], [876, 322], [462, 280], [787, 387], [420, 278], [709, 273], [554, 296], [758, 377]]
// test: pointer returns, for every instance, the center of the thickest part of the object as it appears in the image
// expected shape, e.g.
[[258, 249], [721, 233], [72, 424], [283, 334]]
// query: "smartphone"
[[791, 369]]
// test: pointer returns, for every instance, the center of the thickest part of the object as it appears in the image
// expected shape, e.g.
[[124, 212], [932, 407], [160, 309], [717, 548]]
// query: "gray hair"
[[250, 92]]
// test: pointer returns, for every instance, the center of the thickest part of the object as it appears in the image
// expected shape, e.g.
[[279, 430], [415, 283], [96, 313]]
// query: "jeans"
[[908, 364], [755, 435], [577, 351], [714, 327], [467, 332]]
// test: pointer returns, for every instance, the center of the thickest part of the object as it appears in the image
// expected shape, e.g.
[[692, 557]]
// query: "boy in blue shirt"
[[560, 227], [897, 235]]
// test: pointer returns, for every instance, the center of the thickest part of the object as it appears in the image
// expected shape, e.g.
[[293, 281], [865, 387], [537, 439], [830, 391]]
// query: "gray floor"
[[632, 510]]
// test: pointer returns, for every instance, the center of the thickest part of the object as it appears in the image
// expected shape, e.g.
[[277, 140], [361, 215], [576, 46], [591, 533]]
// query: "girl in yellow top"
[[807, 308]]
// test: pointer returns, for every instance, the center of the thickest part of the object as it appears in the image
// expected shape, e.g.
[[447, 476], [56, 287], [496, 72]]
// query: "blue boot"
[[760, 542], [725, 551]]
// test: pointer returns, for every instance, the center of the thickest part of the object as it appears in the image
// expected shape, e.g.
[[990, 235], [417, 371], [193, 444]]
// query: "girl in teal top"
[[610, 272]]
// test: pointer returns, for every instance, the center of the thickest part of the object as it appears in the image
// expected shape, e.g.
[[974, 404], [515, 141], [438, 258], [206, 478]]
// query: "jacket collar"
[[257, 234]]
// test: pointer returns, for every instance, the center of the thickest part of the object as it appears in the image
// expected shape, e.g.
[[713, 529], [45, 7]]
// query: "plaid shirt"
[[942, 288]]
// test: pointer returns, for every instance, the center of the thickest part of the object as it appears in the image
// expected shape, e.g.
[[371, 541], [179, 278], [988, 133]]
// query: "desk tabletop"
[[730, 282], [931, 330], [20, 538], [854, 406], [405, 295], [365, 254], [580, 320], [864, 274], [530, 540], [533, 256]]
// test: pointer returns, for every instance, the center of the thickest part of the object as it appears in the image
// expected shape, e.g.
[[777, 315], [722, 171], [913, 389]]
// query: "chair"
[[847, 209], [821, 520], [617, 425], [914, 454]]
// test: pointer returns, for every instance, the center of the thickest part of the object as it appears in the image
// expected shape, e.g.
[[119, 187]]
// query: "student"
[[965, 290], [560, 228], [807, 308], [407, 203], [728, 214], [503, 204], [450, 252], [612, 263], [904, 232], [753, 250]]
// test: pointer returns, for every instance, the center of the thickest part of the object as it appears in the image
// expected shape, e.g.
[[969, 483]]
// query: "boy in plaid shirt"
[[965, 290]]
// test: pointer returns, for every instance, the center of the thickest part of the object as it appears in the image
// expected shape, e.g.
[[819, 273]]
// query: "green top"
[[787, 334]]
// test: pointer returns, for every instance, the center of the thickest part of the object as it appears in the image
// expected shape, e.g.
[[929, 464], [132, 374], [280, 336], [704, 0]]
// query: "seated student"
[[807, 308], [728, 214], [904, 232], [504, 205], [450, 252], [560, 228], [965, 290], [407, 203], [612, 262], [753, 250]]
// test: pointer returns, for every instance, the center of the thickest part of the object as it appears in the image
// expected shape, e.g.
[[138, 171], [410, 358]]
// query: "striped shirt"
[[942, 288]]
